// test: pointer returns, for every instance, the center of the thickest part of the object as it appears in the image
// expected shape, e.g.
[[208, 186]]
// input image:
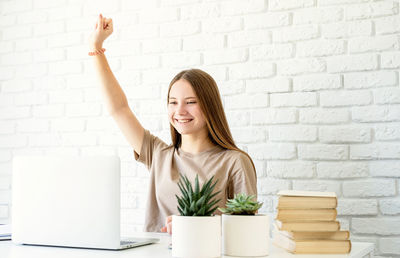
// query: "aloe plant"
[[241, 204], [195, 201]]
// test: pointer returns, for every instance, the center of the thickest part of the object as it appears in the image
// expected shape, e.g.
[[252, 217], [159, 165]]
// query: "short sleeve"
[[150, 146], [243, 177]]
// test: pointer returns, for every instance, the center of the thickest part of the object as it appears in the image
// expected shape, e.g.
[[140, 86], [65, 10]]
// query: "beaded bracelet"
[[97, 52]]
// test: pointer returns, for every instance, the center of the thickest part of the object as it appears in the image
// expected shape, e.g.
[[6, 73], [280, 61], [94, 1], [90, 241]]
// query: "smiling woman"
[[202, 143]]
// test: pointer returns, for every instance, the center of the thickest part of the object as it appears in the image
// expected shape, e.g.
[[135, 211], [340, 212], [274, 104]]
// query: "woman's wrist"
[[96, 49], [95, 46]]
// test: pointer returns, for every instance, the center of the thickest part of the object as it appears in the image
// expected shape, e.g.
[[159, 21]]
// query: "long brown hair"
[[209, 99]]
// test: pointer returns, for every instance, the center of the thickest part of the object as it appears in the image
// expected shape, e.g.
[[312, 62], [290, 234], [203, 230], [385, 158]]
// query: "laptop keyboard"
[[127, 242]]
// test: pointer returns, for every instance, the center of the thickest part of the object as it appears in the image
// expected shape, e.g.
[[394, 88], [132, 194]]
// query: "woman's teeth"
[[184, 120]]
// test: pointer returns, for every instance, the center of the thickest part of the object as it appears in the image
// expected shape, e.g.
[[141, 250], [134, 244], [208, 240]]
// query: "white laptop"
[[68, 201]]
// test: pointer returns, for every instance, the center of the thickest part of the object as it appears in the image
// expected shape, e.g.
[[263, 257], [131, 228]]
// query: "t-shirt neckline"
[[182, 152]]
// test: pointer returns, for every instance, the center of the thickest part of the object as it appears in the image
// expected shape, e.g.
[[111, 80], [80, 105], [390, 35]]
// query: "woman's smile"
[[183, 121]]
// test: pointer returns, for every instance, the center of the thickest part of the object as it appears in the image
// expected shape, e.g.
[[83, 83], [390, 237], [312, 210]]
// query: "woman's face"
[[184, 111]]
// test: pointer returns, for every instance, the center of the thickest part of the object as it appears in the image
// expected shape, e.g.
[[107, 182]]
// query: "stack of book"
[[306, 223]]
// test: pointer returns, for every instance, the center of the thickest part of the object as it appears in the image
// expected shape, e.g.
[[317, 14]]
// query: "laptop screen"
[[66, 201]]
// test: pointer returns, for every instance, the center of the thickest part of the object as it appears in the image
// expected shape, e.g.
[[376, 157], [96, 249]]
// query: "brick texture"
[[310, 89]]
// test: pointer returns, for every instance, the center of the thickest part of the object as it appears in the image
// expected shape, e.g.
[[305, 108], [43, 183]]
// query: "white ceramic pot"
[[196, 236], [245, 235]]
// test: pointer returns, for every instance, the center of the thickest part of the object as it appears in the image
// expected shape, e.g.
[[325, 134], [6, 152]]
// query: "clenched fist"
[[102, 29]]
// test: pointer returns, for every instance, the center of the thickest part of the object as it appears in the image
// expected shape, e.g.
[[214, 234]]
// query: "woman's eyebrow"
[[184, 98]]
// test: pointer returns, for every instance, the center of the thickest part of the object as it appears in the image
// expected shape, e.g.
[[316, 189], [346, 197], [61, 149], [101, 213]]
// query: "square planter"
[[196, 236], [245, 235]]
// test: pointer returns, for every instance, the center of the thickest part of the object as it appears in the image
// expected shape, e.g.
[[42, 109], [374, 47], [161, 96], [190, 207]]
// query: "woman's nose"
[[181, 109]]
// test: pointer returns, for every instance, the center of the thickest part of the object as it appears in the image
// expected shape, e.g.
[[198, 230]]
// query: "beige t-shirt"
[[233, 170]]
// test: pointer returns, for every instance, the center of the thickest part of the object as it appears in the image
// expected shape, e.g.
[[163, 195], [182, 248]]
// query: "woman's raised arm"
[[115, 98]]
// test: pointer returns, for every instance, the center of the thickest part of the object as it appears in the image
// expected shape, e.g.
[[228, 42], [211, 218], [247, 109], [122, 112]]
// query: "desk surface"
[[159, 250]]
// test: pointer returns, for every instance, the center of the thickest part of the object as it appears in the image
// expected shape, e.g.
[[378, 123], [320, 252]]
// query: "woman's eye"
[[172, 103], [191, 102]]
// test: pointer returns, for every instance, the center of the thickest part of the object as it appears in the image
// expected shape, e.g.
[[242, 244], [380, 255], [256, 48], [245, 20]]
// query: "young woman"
[[201, 140]]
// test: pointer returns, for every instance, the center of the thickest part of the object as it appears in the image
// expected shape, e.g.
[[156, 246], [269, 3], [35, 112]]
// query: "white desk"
[[159, 250]]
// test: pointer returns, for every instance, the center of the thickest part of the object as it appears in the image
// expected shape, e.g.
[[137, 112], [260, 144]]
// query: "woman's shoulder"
[[237, 157], [234, 153], [168, 148], [240, 164], [158, 141]]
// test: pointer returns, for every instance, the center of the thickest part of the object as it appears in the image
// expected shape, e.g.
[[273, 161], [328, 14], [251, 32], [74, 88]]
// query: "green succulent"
[[241, 204], [195, 201]]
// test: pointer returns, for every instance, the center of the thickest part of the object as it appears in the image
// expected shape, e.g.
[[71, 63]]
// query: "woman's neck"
[[196, 143]]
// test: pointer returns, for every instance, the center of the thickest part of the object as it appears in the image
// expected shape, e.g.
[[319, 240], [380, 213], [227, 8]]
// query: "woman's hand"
[[168, 225], [102, 29]]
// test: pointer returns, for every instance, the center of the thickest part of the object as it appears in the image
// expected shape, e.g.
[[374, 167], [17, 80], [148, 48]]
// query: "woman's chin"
[[182, 129], [188, 129], [184, 132]]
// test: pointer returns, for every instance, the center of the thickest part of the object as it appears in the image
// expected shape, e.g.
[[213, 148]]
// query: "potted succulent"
[[244, 232], [196, 232]]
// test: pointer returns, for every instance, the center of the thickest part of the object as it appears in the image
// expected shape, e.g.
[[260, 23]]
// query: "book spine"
[[309, 226], [306, 214]]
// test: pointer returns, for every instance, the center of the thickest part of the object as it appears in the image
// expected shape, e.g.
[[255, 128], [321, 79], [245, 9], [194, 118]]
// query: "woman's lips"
[[183, 121]]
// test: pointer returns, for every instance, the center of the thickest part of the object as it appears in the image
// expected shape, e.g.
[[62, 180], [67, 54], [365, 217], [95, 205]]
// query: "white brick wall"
[[310, 88]]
